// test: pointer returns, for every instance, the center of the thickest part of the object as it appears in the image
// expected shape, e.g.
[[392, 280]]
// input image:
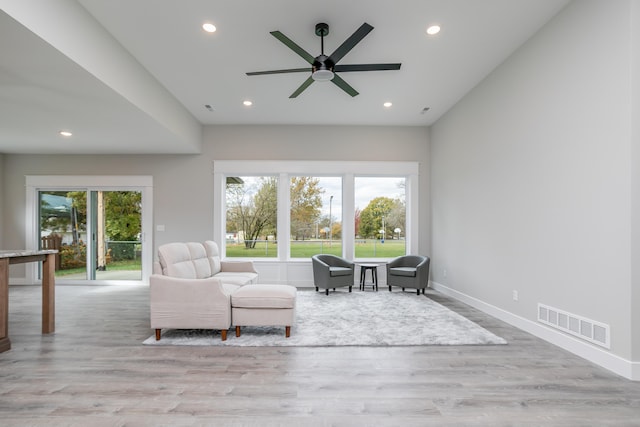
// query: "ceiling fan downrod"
[[322, 68]]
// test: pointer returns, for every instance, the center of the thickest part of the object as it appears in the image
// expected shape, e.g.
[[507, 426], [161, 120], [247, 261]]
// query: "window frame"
[[347, 170]]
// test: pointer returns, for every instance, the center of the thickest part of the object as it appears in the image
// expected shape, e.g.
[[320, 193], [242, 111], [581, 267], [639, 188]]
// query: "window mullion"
[[283, 227]]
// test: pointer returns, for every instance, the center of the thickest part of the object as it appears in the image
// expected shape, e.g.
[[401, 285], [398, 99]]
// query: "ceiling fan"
[[324, 68]]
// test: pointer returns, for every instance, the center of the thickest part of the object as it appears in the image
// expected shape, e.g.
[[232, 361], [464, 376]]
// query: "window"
[[315, 216], [380, 217], [358, 210], [251, 224]]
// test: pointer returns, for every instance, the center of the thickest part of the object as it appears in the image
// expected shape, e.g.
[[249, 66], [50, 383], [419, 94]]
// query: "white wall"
[[183, 184], [531, 178], [635, 183]]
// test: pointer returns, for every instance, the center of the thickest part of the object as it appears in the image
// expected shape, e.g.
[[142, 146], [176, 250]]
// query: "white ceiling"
[[134, 76]]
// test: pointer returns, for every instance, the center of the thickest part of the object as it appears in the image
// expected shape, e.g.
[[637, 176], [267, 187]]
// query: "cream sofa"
[[191, 287]]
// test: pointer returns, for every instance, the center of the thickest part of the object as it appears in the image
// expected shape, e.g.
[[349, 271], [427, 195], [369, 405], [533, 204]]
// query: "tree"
[[253, 207], [123, 212], [306, 201], [371, 217]]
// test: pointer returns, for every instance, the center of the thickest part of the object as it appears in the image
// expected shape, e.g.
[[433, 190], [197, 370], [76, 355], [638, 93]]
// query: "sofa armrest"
[[188, 303], [237, 267]]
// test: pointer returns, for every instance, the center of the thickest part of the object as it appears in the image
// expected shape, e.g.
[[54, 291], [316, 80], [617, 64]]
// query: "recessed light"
[[209, 28], [387, 104], [248, 103], [65, 133], [433, 30]]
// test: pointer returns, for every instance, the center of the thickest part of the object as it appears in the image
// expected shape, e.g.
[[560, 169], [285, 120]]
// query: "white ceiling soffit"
[[135, 76], [60, 70]]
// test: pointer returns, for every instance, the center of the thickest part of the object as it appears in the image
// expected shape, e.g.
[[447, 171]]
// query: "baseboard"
[[625, 368]]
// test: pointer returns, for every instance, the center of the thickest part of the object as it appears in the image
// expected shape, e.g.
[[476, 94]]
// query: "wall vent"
[[587, 329]]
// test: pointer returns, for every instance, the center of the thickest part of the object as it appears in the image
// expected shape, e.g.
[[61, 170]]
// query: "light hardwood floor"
[[94, 372]]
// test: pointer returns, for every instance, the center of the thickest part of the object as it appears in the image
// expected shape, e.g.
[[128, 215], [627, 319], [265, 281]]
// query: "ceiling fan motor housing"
[[323, 62]]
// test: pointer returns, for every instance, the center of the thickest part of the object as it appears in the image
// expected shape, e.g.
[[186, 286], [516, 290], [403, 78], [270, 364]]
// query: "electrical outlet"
[[515, 295]]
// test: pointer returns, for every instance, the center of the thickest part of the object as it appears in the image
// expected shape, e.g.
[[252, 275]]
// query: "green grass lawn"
[[113, 266], [369, 248]]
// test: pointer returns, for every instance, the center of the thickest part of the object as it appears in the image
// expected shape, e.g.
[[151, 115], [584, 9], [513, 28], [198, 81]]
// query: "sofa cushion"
[[340, 271], [264, 296], [175, 260], [237, 278], [403, 271], [184, 260], [200, 260], [213, 254]]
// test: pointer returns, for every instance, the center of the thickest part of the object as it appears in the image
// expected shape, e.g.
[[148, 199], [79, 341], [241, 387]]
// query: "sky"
[[366, 189]]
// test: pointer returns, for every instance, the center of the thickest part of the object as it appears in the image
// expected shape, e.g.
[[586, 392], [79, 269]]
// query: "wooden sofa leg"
[[224, 334], [326, 292], [287, 331], [158, 332], [418, 291], [237, 331]]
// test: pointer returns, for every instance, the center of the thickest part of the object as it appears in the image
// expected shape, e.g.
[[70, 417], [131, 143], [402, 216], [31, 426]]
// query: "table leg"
[[5, 343], [48, 294]]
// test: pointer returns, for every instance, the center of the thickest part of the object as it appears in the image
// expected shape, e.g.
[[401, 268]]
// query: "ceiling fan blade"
[[366, 67], [302, 87], [293, 46], [350, 42], [290, 70], [337, 80]]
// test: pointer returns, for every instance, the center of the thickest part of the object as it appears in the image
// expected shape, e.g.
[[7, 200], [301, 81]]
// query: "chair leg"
[[287, 331], [418, 291], [349, 288], [158, 332], [223, 332], [237, 331], [326, 291], [389, 288]]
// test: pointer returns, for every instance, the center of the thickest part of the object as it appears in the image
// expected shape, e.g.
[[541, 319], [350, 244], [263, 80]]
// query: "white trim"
[[143, 183], [315, 168], [592, 353]]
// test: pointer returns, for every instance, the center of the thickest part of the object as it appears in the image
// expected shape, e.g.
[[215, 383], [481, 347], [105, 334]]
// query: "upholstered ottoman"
[[263, 305]]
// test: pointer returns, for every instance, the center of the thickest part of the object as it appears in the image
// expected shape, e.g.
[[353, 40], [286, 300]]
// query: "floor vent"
[[587, 329]]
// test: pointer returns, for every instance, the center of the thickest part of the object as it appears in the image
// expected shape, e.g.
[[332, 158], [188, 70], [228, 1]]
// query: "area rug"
[[351, 319]]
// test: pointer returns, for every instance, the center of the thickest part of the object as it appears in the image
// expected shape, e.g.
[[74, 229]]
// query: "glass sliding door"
[[63, 226], [97, 233], [117, 235]]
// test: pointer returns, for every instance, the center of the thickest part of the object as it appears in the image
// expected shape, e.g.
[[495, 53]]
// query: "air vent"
[[589, 330]]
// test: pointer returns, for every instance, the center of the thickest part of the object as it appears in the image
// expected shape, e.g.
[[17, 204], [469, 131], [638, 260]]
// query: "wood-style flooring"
[[94, 372]]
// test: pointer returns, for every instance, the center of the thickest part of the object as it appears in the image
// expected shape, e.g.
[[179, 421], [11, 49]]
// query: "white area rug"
[[351, 319]]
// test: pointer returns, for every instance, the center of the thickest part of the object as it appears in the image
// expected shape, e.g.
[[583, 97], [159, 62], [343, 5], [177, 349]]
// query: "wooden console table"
[[48, 289]]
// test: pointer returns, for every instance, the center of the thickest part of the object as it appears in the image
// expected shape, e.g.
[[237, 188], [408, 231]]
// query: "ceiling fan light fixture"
[[322, 75]]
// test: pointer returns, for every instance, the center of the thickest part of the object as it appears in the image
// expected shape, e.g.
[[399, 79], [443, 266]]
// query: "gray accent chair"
[[408, 271], [331, 272]]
